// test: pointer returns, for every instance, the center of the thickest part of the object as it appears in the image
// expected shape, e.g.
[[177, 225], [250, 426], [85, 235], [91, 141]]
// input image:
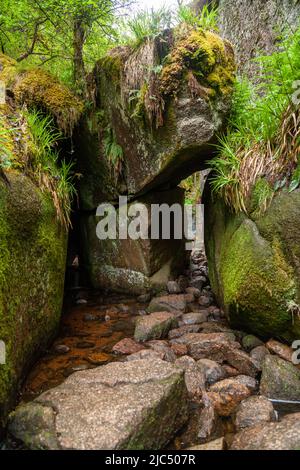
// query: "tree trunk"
[[78, 61]]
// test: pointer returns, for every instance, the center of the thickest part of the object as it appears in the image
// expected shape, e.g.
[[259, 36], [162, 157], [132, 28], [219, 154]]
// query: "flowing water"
[[88, 332]]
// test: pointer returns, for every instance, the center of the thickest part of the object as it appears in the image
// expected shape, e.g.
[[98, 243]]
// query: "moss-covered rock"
[[39, 89], [254, 264], [157, 109], [32, 266]]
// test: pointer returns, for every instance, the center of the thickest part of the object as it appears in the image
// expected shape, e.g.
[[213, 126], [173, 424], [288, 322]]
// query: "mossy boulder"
[[128, 265], [32, 267], [254, 264], [39, 89], [157, 110]]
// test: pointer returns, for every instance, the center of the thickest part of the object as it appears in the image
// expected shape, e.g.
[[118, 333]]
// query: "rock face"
[[254, 264], [32, 268], [154, 326], [280, 379], [149, 102], [254, 26], [132, 405], [284, 435], [156, 111], [133, 265]]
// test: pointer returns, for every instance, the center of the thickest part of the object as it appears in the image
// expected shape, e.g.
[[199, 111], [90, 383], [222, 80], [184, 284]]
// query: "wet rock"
[[179, 349], [61, 349], [189, 298], [198, 282], [142, 313], [162, 348], [81, 302], [213, 372], [230, 371], [129, 405], [194, 318], [127, 346], [144, 298], [216, 327], [250, 342], [280, 379], [258, 354], [195, 382], [282, 350], [212, 346], [123, 308], [204, 301], [173, 287], [154, 326], [284, 435], [39, 422], [250, 382], [145, 354], [254, 410], [214, 313], [84, 345], [98, 358], [209, 423], [242, 362], [89, 317], [217, 444], [183, 282], [168, 303], [79, 368], [183, 330], [227, 394], [185, 362], [194, 291]]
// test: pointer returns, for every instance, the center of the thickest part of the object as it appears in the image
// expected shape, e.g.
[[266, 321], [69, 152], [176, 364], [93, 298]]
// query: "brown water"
[[89, 331]]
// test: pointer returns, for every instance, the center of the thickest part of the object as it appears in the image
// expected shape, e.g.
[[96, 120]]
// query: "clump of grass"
[[206, 19], [264, 136], [145, 24], [113, 152], [45, 165]]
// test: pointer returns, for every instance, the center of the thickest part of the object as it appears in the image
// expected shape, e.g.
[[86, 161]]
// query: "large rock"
[[129, 265], [228, 393], [280, 379], [161, 105], [32, 269], [254, 264], [254, 410], [253, 27], [169, 303], [284, 435], [131, 405], [154, 326]]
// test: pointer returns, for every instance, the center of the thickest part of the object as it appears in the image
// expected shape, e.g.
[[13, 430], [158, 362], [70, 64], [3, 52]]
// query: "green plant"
[[206, 19], [6, 155], [45, 166], [263, 140], [146, 24], [113, 152]]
